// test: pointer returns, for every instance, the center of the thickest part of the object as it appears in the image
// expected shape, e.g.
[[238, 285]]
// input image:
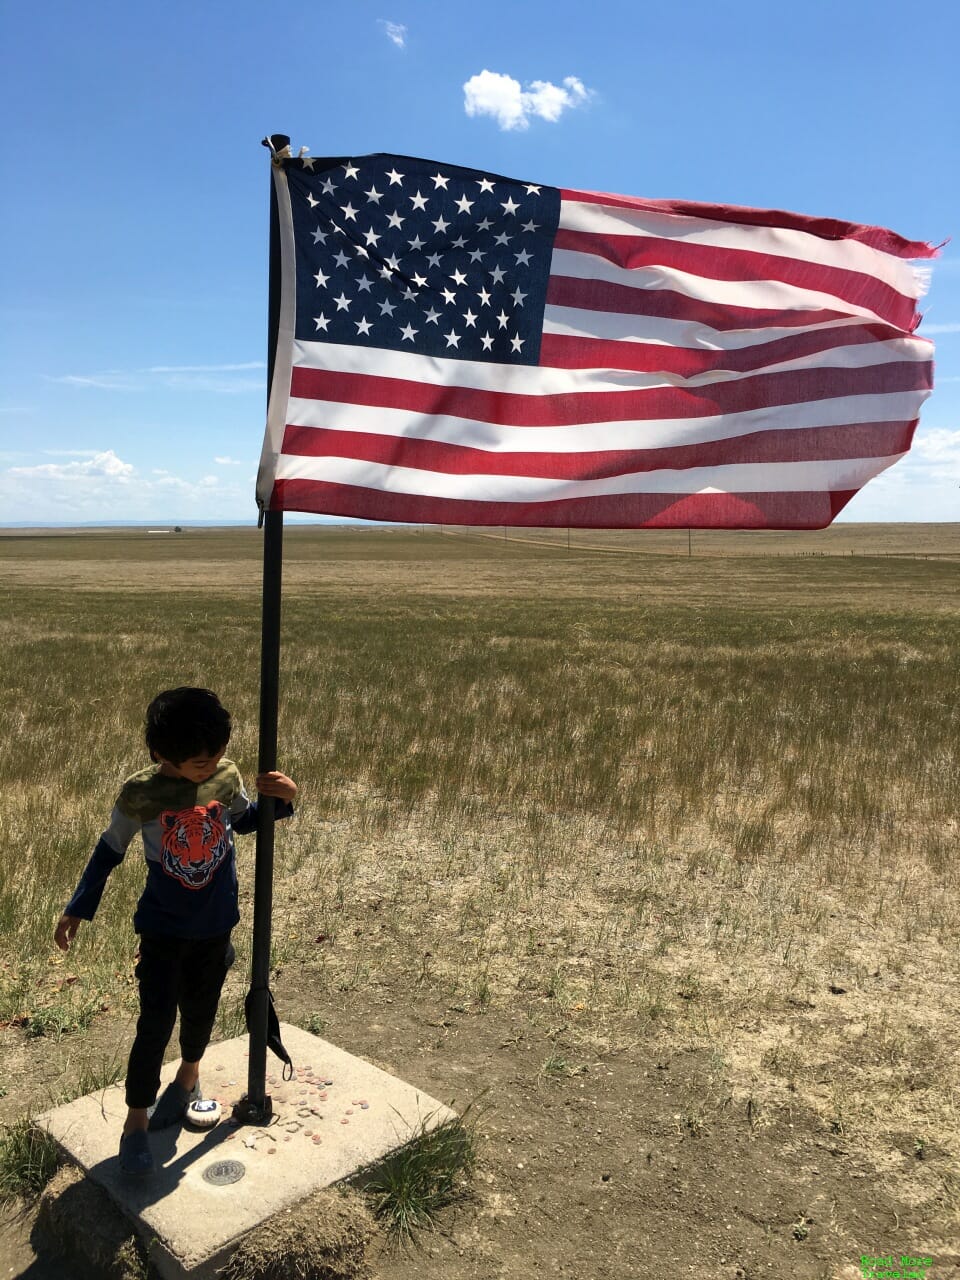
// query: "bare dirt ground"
[[596, 1174]]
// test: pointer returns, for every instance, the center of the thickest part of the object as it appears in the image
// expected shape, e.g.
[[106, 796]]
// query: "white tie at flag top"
[[457, 347]]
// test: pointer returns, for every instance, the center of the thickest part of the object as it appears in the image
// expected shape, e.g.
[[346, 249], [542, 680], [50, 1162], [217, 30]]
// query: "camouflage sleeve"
[[241, 802]]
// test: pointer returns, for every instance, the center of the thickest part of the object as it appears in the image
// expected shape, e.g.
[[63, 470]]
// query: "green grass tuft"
[[434, 1170], [29, 1158], [60, 1019]]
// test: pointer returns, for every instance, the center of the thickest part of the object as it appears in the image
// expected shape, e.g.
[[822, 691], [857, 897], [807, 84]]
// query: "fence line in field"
[[466, 532]]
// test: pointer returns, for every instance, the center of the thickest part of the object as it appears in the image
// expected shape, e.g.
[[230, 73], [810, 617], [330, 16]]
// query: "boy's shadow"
[[134, 1194], [58, 1233]]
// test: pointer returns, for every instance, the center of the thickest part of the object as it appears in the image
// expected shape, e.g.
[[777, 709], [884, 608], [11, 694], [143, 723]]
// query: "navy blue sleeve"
[[247, 821], [87, 895]]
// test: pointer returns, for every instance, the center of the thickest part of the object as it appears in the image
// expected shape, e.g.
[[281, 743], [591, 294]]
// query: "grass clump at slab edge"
[[410, 1187], [29, 1158]]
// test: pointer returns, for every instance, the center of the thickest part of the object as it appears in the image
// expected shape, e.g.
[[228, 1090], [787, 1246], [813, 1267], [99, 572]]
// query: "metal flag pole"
[[256, 1106]]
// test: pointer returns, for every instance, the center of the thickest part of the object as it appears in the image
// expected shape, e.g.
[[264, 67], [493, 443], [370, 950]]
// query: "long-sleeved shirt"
[[187, 831]]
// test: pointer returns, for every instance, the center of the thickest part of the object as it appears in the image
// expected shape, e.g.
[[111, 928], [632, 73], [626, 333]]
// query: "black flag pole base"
[[256, 1107], [246, 1111]]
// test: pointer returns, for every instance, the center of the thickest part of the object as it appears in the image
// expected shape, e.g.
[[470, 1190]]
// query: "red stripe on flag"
[[826, 228], [572, 408], [806, 444], [601, 295], [634, 253], [571, 351], [626, 511]]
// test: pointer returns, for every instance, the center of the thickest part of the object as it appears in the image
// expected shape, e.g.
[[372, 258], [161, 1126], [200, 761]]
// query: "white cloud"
[[101, 485], [229, 462], [926, 330], [492, 94], [98, 464], [395, 32]]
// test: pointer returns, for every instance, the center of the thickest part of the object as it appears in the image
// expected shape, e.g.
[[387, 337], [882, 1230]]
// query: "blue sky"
[[134, 232]]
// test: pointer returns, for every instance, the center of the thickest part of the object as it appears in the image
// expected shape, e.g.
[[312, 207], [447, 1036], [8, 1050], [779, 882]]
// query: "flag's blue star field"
[[416, 256]]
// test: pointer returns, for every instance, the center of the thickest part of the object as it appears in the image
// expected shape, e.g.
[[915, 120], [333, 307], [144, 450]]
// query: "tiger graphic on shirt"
[[194, 843]]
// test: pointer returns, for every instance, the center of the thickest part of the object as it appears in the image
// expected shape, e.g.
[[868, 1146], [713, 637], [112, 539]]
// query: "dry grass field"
[[649, 848]]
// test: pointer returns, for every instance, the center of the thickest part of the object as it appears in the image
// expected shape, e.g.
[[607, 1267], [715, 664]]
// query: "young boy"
[[187, 807]]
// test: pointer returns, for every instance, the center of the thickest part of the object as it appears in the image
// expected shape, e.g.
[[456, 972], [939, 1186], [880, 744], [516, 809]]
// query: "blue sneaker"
[[171, 1107], [135, 1154]]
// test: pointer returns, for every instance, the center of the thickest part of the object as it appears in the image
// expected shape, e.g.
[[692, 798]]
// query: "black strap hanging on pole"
[[256, 1107]]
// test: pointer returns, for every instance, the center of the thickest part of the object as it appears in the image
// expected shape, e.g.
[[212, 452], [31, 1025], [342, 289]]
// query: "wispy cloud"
[[204, 368], [512, 106], [104, 381], [395, 32], [219, 378], [229, 462], [926, 330]]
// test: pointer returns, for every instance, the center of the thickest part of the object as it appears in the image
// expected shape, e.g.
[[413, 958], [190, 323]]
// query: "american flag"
[[459, 347]]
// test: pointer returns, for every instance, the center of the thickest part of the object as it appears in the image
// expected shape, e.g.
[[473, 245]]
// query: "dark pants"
[[174, 973]]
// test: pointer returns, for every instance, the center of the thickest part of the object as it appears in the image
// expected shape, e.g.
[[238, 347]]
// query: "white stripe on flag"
[[657, 433], [767, 477], [615, 326], [531, 380]]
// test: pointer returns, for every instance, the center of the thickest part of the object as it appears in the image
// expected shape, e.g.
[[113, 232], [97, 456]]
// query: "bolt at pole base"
[[247, 1111]]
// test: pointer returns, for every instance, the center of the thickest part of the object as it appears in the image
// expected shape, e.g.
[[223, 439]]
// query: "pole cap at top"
[[279, 145]]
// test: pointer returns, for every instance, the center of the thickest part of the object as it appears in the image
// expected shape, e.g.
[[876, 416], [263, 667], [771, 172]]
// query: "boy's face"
[[197, 769]]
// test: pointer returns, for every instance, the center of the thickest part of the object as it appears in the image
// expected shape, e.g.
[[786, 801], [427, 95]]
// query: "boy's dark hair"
[[183, 723]]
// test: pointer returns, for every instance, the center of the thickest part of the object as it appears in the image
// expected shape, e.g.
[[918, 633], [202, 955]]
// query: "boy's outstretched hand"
[[67, 927], [276, 784]]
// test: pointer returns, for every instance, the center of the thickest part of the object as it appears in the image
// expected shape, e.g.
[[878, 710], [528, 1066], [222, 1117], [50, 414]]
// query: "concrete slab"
[[338, 1115]]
